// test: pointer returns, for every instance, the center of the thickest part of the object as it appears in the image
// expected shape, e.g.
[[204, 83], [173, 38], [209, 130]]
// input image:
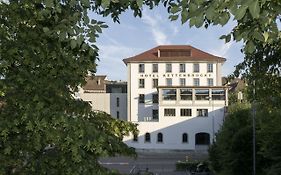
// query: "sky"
[[135, 35]]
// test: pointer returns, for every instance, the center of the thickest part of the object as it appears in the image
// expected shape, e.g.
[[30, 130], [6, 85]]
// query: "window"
[[209, 67], [141, 68], [155, 114], [98, 82], [186, 112], [184, 138], [182, 81], [160, 137], [202, 139], [201, 94], [175, 53], [196, 67], [169, 81], [218, 94], [169, 112], [186, 94], [141, 83], [196, 82], [168, 68], [210, 82], [141, 98], [117, 115], [147, 137], [154, 98], [135, 138], [117, 102], [182, 67], [154, 68], [202, 112], [154, 83], [169, 94]]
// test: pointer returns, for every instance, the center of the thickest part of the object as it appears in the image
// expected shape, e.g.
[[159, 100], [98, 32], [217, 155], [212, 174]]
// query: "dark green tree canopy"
[[47, 48]]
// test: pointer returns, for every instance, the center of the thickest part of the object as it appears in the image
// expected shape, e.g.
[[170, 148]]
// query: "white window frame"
[[182, 68], [169, 68]]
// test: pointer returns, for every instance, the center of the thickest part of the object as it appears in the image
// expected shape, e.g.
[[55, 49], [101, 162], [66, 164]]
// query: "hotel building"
[[175, 95]]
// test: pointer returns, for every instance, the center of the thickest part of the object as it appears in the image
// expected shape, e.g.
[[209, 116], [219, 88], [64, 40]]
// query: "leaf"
[[199, 21], [210, 13], [192, 21], [228, 38], [85, 3], [139, 3], [45, 29], [254, 9], [250, 47], [224, 18], [49, 3], [175, 9], [258, 36], [240, 13], [173, 17], [237, 36], [72, 44], [105, 3], [98, 29], [265, 35], [184, 16], [104, 26]]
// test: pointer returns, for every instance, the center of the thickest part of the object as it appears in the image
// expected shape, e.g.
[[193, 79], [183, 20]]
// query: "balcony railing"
[[192, 93]]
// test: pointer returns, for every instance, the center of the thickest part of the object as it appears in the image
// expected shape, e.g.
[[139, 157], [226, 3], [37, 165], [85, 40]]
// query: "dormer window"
[[174, 53]]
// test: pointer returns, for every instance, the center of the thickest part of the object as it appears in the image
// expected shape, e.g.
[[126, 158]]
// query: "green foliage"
[[270, 140], [232, 152], [47, 48], [262, 70], [256, 19]]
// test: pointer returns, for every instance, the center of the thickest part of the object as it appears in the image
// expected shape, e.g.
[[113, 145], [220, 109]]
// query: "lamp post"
[[254, 129]]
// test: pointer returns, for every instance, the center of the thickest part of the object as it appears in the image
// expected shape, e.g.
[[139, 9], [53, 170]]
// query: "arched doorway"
[[202, 138]]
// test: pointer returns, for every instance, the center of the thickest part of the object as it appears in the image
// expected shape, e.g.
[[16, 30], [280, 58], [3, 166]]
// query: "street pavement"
[[160, 163]]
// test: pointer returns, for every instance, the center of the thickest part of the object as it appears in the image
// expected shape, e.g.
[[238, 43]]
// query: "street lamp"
[[254, 129], [213, 119]]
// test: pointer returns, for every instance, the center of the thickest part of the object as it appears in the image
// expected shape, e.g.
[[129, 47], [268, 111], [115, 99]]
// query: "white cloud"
[[158, 34], [111, 60], [222, 50]]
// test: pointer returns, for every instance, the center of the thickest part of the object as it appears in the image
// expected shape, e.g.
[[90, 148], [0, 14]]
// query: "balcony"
[[193, 95]]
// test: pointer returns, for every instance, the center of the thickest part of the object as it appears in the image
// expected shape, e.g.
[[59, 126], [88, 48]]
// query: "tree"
[[232, 152], [256, 19], [263, 65], [47, 49]]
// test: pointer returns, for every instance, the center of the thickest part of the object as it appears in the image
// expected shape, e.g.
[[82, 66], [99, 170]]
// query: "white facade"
[[176, 76], [108, 102]]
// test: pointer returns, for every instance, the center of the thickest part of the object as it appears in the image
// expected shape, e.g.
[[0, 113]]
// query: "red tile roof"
[[152, 55]]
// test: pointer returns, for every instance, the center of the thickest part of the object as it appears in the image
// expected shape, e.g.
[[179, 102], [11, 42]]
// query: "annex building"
[[174, 93]]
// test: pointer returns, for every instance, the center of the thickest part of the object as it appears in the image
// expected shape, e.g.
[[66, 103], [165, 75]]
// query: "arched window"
[[160, 137], [202, 138], [147, 137], [135, 138], [184, 138]]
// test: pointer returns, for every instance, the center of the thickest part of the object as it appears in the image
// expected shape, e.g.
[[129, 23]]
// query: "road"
[[162, 163]]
